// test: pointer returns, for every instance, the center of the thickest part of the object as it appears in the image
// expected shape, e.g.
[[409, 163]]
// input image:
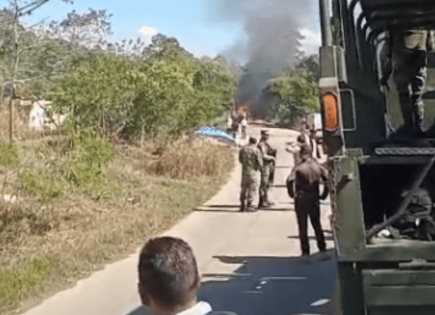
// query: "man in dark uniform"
[[269, 157], [405, 55], [303, 186]]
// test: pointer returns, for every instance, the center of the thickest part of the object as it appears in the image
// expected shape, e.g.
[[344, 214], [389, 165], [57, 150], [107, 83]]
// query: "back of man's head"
[[168, 274], [301, 139], [306, 151], [252, 140]]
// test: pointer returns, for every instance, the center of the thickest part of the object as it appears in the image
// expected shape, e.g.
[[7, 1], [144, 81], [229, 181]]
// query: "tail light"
[[330, 111]]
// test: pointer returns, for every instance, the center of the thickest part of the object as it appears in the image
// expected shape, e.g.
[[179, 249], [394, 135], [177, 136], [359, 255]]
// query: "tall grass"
[[186, 159], [60, 213]]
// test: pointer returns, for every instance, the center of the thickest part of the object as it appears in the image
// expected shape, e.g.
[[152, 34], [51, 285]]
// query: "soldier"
[[235, 126], [405, 55], [303, 186], [252, 162], [267, 153], [244, 124]]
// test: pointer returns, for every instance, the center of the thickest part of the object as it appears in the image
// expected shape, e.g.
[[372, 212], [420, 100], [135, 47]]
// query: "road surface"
[[249, 262]]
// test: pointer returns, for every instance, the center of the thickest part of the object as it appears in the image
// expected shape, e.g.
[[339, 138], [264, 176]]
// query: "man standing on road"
[[252, 162], [267, 153], [303, 186]]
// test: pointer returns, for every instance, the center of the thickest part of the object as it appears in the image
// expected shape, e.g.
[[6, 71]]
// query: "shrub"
[[86, 163]]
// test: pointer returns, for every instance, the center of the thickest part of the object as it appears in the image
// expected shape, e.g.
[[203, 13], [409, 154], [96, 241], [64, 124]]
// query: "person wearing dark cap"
[[268, 155], [303, 186]]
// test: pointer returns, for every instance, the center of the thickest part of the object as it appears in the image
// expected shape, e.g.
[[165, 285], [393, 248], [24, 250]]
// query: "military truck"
[[376, 177]]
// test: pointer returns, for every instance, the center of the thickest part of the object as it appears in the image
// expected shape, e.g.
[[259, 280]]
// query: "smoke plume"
[[271, 41]]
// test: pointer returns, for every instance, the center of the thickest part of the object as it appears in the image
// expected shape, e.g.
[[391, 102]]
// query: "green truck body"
[[369, 173]]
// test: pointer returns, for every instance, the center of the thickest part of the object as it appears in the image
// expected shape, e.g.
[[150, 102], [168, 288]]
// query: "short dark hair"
[[168, 271], [252, 140], [306, 151], [301, 139]]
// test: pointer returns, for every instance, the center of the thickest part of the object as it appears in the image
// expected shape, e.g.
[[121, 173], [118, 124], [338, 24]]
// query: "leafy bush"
[[296, 93], [166, 89]]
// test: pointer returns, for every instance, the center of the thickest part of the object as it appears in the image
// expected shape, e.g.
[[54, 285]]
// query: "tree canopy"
[[123, 89], [295, 93]]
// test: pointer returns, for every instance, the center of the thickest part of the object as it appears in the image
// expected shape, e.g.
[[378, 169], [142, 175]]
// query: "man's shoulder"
[[221, 313]]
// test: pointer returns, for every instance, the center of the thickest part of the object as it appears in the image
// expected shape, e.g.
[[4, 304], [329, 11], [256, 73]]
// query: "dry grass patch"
[[190, 159], [59, 231]]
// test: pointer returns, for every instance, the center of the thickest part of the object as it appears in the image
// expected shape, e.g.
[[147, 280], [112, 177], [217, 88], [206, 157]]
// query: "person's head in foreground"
[[169, 278]]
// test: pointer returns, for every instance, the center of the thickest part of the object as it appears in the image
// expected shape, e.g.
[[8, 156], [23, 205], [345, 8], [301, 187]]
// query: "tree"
[[311, 66], [296, 93], [133, 95], [18, 37]]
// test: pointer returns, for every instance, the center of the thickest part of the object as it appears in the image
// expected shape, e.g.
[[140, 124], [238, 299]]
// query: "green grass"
[[78, 231], [21, 280]]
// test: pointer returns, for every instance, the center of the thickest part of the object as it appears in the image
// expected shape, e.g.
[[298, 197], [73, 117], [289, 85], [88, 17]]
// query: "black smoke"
[[271, 42]]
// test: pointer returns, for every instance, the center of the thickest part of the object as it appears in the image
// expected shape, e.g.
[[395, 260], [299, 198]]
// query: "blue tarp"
[[214, 133]]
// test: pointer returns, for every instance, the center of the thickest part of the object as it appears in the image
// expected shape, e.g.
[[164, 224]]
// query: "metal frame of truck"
[[390, 277]]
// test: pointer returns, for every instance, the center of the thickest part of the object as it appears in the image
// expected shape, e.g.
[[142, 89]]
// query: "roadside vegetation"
[[120, 168], [295, 93]]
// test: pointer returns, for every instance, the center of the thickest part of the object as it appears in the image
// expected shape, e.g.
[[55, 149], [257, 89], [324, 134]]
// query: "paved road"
[[249, 262]]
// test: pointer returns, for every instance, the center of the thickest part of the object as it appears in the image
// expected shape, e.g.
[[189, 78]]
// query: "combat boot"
[[261, 203], [250, 208], [267, 203], [242, 207]]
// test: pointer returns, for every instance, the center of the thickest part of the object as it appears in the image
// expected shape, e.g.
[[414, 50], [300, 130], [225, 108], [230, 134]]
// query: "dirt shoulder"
[[47, 244]]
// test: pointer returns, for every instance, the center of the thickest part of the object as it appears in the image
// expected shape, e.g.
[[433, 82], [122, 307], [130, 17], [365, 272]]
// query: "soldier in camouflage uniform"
[[252, 162], [267, 153], [405, 55]]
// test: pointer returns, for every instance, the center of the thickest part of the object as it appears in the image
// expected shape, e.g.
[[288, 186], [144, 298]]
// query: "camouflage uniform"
[[303, 186], [406, 56], [252, 162], [266, 171]]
